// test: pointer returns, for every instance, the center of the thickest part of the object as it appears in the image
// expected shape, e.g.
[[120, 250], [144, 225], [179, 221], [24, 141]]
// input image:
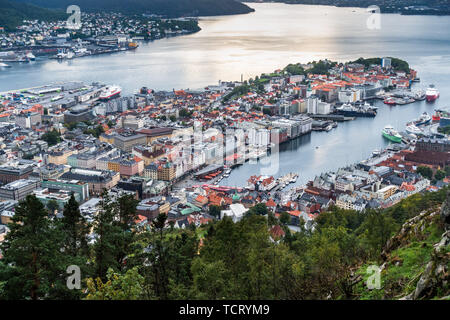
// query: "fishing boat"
[[391, 134], [424, 119]]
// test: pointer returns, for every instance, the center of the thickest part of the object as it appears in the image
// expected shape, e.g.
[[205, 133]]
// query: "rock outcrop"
[[445, 213], [435, 279]]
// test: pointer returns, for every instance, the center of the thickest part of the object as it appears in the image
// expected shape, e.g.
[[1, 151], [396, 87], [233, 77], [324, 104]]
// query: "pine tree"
[[106, 235], [32, 263], [76, 229], [75, 250], [126, 223]]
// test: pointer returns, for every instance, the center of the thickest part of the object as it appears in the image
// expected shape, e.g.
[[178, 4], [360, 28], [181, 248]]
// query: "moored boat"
[[424, 118], [413, 129], [432, 93], [391, 134], [110, 92]]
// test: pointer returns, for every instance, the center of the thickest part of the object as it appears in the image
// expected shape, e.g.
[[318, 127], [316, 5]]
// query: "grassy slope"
[[404, 265]]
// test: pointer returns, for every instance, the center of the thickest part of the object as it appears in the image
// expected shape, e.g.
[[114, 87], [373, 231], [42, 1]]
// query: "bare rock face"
[[445, 213]]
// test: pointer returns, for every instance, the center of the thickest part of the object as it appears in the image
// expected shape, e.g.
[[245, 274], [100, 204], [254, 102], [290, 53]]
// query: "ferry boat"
[[110, 92], [391, 134], [432, 93], [423, 119]]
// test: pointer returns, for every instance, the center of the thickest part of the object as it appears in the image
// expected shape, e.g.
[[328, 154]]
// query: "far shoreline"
[[248, 3]]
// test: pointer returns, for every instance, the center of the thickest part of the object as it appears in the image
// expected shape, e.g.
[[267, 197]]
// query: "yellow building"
[[106, 138], [114, 166], [60, 157], [166, 173], [387, 192]]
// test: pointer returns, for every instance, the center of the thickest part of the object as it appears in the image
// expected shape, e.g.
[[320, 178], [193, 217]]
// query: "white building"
[[349, 95], [311, 105], [236, 212], [323, 108]]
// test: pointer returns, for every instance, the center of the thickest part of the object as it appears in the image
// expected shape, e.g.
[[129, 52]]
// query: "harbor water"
[[270, 38]]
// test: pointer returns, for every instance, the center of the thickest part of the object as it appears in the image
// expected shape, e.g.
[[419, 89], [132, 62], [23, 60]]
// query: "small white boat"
[[30, 56], [413, 129]]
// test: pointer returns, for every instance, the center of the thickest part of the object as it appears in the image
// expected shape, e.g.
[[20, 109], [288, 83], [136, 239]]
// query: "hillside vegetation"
[[169, 8], [12, 14], [225, 260]]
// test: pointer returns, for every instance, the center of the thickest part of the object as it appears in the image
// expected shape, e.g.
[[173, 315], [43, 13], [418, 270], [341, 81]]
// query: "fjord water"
[[270, 38]]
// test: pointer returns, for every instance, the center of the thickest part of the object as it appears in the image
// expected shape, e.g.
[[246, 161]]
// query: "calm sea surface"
[[270, 38]]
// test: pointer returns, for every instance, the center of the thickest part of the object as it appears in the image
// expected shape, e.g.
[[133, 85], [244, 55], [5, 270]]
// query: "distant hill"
[[13, 13], [169, 8], [405, 7]]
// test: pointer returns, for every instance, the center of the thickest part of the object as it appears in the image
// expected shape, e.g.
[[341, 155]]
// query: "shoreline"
[[436, 13]]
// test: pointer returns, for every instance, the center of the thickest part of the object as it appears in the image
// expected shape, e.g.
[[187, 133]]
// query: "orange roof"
[[271, 203], [140, 218], [201, 199], [294, 213]]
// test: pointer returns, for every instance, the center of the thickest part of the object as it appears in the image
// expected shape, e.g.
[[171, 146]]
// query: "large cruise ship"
[[110, 92], [432, 93]]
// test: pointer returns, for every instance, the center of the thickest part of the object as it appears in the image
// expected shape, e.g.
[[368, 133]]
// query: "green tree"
[[211, 280], [52, 206], [33, 261], [106, 232], [447, 170], [425, 172], [185, 113], [75, 228], [285, 218], [129, 286], [376, 230], [439, 175], [258, 209], [214, 210], [52, 137], [125, 226]]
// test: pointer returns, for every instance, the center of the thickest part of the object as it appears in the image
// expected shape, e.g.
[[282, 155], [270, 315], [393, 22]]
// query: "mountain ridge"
[[13, 13], [169, 8]]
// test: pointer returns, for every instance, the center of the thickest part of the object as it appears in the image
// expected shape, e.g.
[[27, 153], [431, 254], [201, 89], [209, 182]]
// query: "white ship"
[[432, 93], [412, 128], [110, 92]]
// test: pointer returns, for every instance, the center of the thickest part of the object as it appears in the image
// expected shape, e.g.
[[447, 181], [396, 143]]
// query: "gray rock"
[[445, 212], [424, 280]]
